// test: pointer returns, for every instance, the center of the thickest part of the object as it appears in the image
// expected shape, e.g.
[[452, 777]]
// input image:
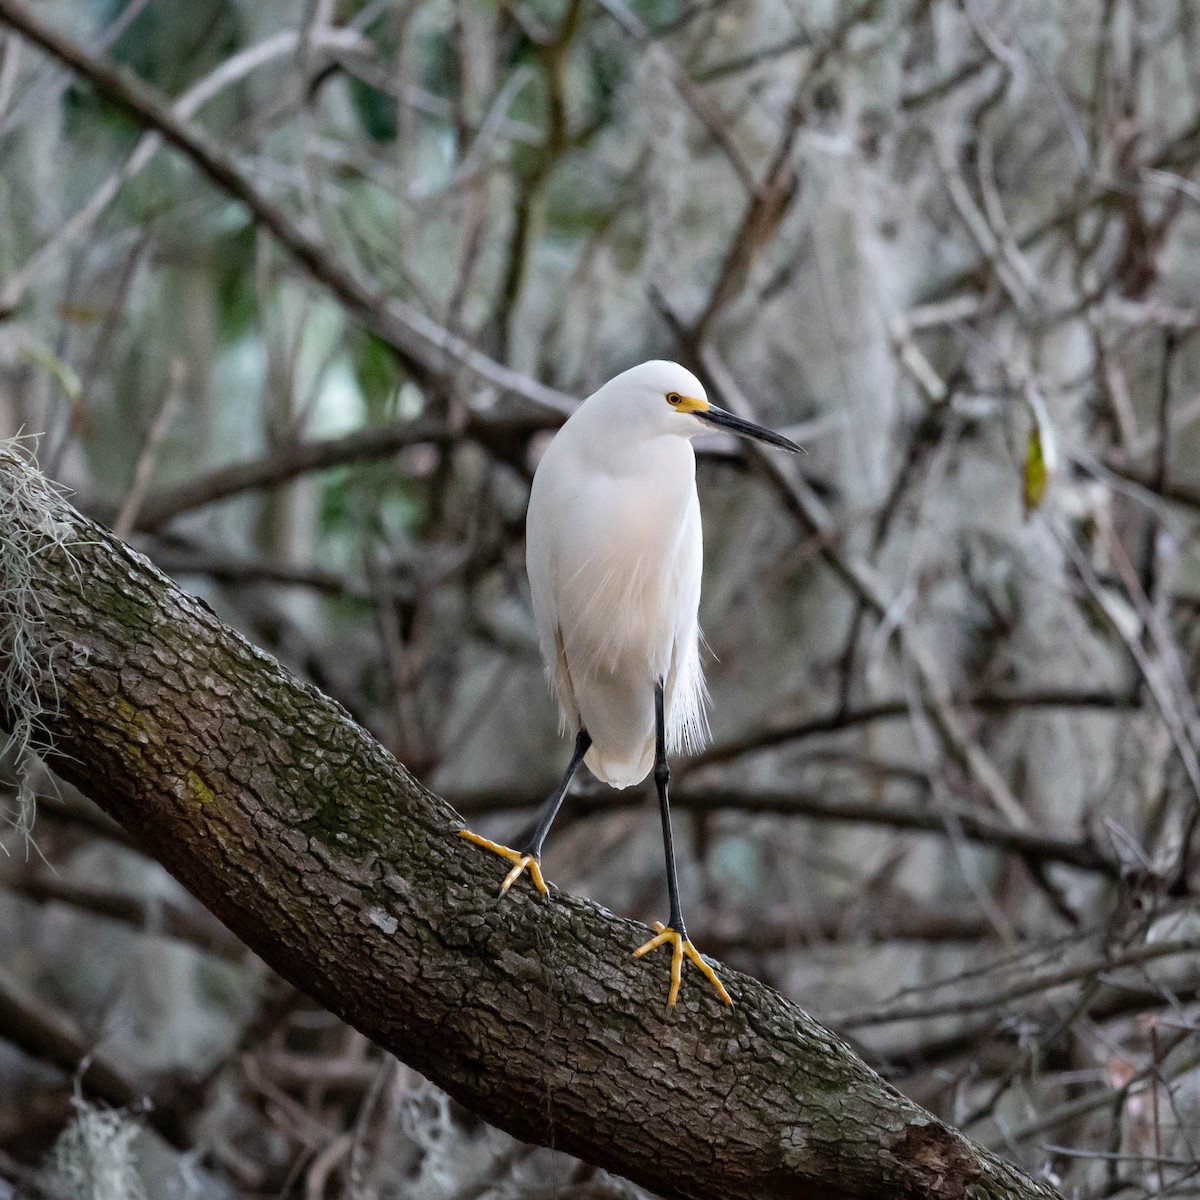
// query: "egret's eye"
[[674, 398]]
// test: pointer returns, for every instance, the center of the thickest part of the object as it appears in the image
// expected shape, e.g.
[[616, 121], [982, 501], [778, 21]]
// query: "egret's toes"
[[680, 945], [523, 862]]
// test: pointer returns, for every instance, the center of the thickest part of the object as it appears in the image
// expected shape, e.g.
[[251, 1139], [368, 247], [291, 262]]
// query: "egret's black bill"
[[726, 420]]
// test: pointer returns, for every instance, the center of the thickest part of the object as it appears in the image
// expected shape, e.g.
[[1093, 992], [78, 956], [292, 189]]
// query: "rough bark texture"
[[326, 857]]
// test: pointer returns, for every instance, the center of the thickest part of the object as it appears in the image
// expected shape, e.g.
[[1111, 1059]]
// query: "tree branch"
[[848, 718], [157, 916], [292, 459], [329, 860], [426, 348], [1036, 846], [47, 1034]]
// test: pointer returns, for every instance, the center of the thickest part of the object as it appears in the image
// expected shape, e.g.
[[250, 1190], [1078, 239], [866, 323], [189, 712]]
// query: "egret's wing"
[[541, 554], [564, 689], [685, 693], [597, 612]]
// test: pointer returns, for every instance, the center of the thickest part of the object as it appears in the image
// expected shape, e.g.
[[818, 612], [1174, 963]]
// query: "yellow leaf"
[[1033, 489], [1041, 453]]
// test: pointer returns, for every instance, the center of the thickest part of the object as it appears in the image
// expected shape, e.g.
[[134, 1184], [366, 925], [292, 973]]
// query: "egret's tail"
[[620, 770], [621, 720], [687, 699]]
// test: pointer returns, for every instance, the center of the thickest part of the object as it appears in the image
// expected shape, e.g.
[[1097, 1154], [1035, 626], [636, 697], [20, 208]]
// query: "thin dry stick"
[[885, 710], [51, 1036], [1083, 854], [230, 71], [420, 342], [1084, 1105], [867, 584], [184, 922], [716, 125], [889, 1014], [147, 459], [292, 459]]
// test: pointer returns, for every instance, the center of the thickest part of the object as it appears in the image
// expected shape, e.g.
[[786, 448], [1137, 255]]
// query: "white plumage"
[[614, 553]]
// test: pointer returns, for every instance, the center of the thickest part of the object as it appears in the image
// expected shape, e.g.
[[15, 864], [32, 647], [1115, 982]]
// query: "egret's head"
[[660, 397]]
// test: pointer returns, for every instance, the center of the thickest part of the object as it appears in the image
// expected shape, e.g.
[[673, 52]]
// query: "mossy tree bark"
[[326, 857]]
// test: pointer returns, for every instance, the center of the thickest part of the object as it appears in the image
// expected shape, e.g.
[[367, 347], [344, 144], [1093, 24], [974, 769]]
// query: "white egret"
[[614, 552]]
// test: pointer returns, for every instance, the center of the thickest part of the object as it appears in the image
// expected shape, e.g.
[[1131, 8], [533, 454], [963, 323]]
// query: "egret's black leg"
[[530, 857], [546, 817], [674, 931], [662, 777]]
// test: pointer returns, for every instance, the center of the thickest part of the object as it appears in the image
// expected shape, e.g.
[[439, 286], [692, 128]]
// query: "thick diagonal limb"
[[674, 932], [529, 858]]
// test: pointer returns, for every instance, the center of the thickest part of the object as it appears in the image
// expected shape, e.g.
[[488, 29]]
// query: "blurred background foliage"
[[950, 806]]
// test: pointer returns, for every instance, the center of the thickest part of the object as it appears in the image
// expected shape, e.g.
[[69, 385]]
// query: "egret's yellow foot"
[[524, 862], [679, 947]]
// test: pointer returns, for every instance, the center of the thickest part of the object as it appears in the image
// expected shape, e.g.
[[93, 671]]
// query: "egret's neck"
[[666, 456]]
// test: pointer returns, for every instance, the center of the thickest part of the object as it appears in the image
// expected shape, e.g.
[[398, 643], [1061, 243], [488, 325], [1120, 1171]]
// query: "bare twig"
[[183, 922], [147, 459], [1042, 847], [46, 1033], [423, 346], [293, 459], [1036, 984]]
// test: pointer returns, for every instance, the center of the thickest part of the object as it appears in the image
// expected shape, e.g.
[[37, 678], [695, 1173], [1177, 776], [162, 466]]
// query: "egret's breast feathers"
[[614, 570]]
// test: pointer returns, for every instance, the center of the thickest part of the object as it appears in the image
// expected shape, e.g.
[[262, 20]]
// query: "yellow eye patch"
[[686, 404]]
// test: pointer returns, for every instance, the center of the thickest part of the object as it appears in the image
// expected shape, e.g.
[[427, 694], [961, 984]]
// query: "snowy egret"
[[613, 550]]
